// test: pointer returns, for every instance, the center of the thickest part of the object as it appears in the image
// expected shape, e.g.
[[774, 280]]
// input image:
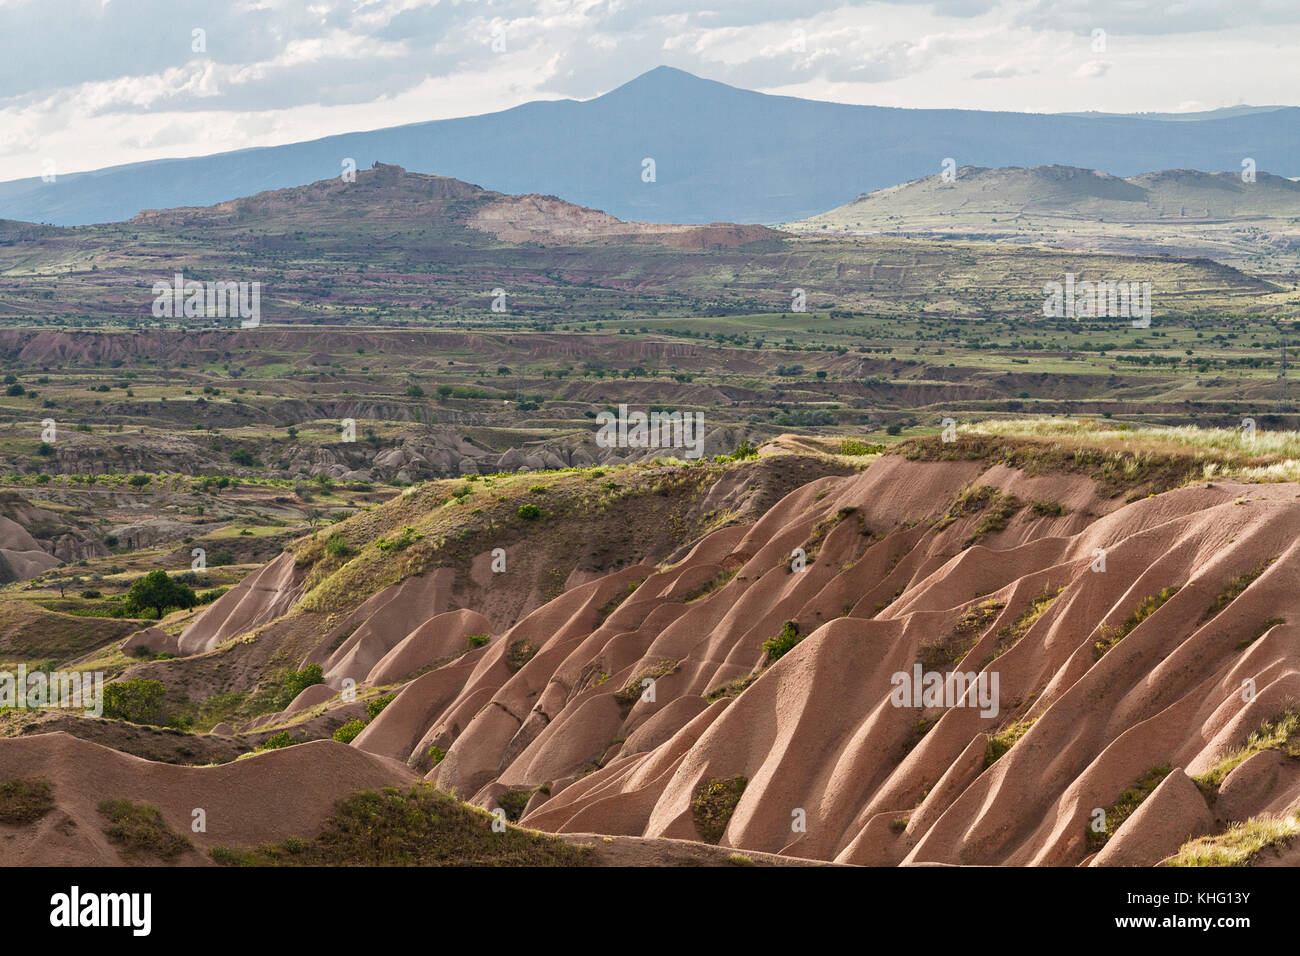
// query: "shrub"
[[282, 739], [712, 805], [478, 640], [376, 707], [777, 647], [298, 682], [530, 512], [348, 732], [138, 701]]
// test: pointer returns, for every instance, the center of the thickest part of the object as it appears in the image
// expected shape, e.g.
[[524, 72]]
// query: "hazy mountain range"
[[720, 153]]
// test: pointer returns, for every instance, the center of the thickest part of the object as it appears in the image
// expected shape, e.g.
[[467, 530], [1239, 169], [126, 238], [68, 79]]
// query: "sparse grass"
[[1280, 733], [1239, 845], [739, 859], [712, 805], [717, 582], [1002, 507], [25, 800], [633, 689], [1149, 605], [1003, 740], [1010, 634], [1126, 803], [519, 653], [1260, 631], [733, 688], [419, 827], [139, 829], [965, 634], [1233, 589]]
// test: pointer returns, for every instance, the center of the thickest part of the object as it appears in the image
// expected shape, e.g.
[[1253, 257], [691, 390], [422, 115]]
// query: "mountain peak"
[[667, 81]]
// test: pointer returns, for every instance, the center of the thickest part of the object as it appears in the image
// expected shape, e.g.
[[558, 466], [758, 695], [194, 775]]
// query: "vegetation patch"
[[1001, 509], [1003, 740], [519, 653], [1280, 733], [1239, 845], [965, 634], [1010, 634], [138, 701], [970, 500], [1112, 636], [712, 805], [777, 647], [25, 800], [349, 731], [1233, 589], [732, 688], [513, 803], [1127, 802], [420, 827], [633, 689], [138, 829]]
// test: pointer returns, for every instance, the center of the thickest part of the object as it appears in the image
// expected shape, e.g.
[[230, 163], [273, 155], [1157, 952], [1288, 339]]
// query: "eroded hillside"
[[721, 653]]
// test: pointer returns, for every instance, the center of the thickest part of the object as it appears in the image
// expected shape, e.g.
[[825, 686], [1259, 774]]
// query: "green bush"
[[529, 512], [138, 700], [298, 682], [348, 732], [778, 646], [376, 707]]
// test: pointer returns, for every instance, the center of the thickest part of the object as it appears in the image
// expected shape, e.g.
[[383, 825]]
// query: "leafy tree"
[[158, 592]]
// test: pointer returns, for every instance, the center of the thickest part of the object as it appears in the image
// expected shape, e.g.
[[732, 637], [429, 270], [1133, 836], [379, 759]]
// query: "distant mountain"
[[1180, 212], [720, 153]]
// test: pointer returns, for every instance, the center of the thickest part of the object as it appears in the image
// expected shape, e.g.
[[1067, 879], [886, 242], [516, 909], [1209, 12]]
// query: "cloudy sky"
[[93, 83]]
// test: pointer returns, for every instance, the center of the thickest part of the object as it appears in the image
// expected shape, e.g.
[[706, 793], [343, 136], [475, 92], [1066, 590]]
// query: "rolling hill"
[[1177, 212]]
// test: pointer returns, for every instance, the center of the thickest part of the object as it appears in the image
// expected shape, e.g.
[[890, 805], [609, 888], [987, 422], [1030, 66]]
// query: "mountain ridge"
[[721, 154]]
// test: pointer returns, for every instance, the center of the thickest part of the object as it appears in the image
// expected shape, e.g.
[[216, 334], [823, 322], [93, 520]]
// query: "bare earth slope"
[[889, 585], [741, 693]]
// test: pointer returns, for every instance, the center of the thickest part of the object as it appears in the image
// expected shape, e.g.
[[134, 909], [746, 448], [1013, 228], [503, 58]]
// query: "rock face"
[[33, 540], [900, 569]]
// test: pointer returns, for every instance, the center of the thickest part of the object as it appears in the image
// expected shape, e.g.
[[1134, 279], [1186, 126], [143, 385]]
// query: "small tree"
[[158, 592]]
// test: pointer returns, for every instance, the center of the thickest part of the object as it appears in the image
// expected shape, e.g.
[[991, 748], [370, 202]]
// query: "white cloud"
[[119, 83]]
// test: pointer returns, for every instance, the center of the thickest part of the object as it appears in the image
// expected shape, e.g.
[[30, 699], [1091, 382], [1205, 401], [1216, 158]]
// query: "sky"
[[92, 83]]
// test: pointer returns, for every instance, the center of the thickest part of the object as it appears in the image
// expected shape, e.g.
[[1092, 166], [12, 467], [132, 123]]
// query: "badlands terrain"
[[667, 661]]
